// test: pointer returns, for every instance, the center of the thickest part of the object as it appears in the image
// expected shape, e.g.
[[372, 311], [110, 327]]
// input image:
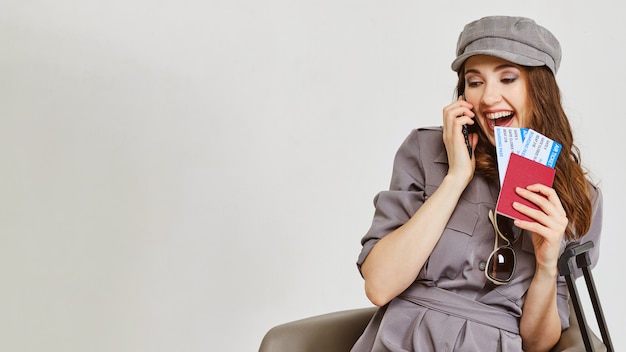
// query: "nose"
[[491, 95]]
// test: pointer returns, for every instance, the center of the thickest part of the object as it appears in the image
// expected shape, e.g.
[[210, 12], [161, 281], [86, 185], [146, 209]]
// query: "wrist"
[[457, 182], [547, 273]]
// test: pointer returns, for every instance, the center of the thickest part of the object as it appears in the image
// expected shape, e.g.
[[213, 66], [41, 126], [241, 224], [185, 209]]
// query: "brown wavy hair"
[[549, 119]]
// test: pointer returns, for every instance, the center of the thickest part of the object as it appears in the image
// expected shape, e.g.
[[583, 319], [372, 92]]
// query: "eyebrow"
[[498, 68]]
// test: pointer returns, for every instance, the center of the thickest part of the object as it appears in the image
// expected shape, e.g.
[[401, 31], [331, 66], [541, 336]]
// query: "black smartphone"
[[466, 136], [467, 129]]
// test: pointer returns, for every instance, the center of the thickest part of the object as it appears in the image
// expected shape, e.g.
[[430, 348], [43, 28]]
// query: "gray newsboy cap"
[[516, 39]]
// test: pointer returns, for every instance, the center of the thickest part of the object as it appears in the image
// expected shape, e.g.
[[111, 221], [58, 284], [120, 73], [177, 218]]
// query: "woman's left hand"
[[549, 226]]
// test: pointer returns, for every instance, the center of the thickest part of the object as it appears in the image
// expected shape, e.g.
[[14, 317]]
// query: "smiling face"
[[498, 90]]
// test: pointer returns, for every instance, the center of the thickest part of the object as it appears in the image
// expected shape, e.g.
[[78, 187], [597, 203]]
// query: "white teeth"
[[500, 114]]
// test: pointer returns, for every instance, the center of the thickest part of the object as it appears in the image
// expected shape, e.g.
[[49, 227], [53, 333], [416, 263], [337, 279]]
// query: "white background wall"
[[184, 175]]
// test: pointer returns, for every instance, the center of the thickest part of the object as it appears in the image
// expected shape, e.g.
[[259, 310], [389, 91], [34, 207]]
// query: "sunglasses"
[[501, 263]]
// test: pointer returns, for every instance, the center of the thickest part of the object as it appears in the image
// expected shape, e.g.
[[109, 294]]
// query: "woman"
[[424, 258]]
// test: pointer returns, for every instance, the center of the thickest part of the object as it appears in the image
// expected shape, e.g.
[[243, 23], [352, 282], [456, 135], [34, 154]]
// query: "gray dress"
[[451, 306]]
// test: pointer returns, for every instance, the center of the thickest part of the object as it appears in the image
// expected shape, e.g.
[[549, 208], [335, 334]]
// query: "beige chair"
[[338, 331]]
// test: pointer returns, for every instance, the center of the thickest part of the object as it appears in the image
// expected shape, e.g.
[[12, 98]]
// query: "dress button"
[[482, 265]]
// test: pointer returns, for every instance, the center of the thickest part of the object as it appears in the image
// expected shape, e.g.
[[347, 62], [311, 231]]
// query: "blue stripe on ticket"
[[541, 149], [554, 154], [523, 132]]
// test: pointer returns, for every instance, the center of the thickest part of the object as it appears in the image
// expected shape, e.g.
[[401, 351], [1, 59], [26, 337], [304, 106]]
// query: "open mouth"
[[501, 118]]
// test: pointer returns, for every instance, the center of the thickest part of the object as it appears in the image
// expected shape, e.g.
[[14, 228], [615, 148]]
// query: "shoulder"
[[425, 137], [427, 132], [595, 193], [423, 142], [595, 196], [421, 156]]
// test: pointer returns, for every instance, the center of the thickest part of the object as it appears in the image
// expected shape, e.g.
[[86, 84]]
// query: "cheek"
[[471, 97]]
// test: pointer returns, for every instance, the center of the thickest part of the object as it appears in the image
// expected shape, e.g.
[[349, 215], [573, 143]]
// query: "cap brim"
[[514, 58]]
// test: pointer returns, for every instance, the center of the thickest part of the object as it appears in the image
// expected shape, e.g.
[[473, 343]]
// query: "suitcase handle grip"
[[578, 251]]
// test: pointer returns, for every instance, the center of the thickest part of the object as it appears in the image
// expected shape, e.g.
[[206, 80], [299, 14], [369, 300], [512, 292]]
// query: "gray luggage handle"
[[566, 268]]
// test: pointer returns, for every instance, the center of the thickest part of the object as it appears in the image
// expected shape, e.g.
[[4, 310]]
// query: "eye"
[[473, 83], [508, 79]]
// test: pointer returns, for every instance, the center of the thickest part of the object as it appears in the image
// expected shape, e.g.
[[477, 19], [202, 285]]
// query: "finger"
[[532, 196], [537, 215], [543, 225], [464, 102], [544, 197], [548, 192], [464, 111], [459, 108]]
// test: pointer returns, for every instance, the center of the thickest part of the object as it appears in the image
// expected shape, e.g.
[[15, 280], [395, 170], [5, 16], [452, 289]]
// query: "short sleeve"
[[406, 194]]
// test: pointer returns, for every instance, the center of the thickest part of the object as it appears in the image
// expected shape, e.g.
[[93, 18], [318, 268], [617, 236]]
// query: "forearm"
[[540, 325], [396, 260]]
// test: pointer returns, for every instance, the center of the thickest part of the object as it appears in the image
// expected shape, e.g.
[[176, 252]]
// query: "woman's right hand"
[[455, 116]]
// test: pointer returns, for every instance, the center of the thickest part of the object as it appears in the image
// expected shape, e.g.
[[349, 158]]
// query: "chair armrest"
[[571, 339], [337, 331]]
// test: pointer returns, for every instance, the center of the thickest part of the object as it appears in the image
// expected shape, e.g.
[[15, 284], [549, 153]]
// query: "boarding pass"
[[524, 142]]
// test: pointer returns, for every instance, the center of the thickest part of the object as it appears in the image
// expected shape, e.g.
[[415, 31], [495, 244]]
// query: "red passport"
[[521, 172]]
